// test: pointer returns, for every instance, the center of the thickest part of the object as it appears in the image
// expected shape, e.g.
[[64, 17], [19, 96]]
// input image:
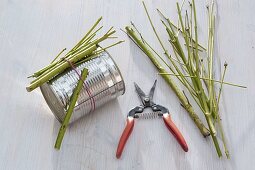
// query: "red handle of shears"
[[124, 137], [175, 131]]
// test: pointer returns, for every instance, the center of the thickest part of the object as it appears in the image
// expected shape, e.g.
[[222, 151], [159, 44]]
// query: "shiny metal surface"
[[103, 84]]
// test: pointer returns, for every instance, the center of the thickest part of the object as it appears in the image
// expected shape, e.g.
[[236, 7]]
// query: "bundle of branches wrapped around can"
[[86, 49], [191, 64]]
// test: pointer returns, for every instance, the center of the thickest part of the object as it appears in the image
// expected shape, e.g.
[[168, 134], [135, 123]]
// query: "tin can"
[[104, 83]]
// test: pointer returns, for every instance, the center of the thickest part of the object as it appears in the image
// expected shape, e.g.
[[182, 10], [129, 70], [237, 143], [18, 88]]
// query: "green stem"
[[87, 34], [53, 63], [69, 112], [196, 81], [175, 41], [38, 73], [163, 47], [59, 69], [58, 55], [154, 30], [223, 138], [173, 25], [221, 83], [92, 56], [184, 81], [86, 37], [183, 29], [208, 114], [196, 35], [70, 56], [212, 98], [150, 47], [203, 78], [105, 48], [95, 42], [218, 117]]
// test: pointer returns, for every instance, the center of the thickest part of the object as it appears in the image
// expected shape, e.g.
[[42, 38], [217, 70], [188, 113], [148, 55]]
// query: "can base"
[[51, 99]]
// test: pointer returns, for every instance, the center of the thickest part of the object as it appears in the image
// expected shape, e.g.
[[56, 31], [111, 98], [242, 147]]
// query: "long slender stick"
[[87, 34], [58, 55], [69, 112], [162, 45], [185, 82], [105, 48], [218, 116], [38, 73], [204, 78], [196, 34], [222, 82]]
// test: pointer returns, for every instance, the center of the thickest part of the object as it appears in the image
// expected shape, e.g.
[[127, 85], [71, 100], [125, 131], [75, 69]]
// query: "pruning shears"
[[158, 111]]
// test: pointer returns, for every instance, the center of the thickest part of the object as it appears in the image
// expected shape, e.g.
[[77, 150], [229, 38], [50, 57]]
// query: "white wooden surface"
[[33, 32]]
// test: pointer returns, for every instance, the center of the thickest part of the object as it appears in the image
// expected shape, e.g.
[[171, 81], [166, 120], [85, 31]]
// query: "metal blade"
[[152, 91], [140, 93]]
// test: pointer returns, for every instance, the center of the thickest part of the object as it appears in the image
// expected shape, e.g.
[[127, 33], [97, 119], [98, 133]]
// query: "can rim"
[[48, 100]]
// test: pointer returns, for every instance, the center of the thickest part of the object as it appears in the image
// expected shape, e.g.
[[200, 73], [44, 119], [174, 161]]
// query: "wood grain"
[[32, 32]]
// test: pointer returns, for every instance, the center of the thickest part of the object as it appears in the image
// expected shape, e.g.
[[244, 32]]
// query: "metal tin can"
[[103, 84]]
